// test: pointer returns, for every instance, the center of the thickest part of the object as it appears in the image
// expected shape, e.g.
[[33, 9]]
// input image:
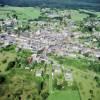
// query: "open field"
[[69, 61], [23, 13], [86, 83], [64, 95], [5, 58], [84, 78], [76, 16], [79, 15], [26, 13], [20, 84]]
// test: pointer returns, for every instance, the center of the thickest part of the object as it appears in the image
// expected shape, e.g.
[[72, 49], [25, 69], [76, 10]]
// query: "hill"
[[95, 4]]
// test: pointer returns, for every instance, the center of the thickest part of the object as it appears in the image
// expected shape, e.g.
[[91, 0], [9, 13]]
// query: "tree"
[[91, 91], [0, 28], [15, 16], [2, 78], [4, 61], [11, 65], [44, 94], [88, 24]]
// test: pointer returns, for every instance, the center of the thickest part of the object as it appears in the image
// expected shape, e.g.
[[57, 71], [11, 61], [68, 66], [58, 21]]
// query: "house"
[[57, 69], [68, 76], [7, 40], [97, 54], [39, 73]]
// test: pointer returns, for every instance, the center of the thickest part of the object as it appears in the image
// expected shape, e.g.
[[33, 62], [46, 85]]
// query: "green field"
[[69, 61], [8, 56], [86, 82], [83, 77], [65, 95], [76, 15], [23, 13], [19, 83]]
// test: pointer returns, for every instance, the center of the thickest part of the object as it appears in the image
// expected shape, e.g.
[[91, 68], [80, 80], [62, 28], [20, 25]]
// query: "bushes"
[[97, 79], [9, 48], [44, 94], [2, 78], [4, 61], [94, 65], [10, 65]]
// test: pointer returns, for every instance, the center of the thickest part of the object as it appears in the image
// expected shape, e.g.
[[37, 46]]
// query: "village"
[[54, 33], [50, 37]]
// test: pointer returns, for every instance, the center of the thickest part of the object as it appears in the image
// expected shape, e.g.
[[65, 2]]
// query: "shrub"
[[4, 61], [2, 78], [10, 65]]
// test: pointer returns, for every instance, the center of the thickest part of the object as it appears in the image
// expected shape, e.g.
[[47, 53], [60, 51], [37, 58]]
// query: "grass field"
[[86, 82], [64, 95], [69, 61], [84, 78], [20, 83], [76, 15], [8, 56], [23, 13]]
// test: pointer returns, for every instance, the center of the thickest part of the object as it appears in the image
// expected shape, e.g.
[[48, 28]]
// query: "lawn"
[[23, 13], [64, 95]]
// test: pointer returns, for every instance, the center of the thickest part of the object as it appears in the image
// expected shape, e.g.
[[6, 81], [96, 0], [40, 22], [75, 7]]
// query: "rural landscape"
[[49, 50]]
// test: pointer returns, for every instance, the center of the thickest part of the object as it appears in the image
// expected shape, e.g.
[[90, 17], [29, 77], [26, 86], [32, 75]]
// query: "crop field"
[[63, 95], [77, 15], [83, 77], [5, 58], [23, 13], [20, 84], [86, 83]]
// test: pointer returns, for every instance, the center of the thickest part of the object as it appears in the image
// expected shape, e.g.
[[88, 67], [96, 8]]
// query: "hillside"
[[54, 3]]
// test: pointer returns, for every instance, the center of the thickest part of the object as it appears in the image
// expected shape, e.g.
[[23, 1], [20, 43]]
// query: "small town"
[[53, 56]]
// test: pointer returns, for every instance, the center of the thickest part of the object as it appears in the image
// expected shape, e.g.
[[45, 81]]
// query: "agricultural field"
[[87, 85], [26, 13], [79, 15], [16, 82], [62, 95], [5, 58], [23, 13], [85, 79], [16, 87]]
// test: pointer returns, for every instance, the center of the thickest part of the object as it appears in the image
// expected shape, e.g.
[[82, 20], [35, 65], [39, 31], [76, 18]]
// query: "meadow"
[[5, 58], [64, 95], [23, 13], [84, 78], [80, 14]]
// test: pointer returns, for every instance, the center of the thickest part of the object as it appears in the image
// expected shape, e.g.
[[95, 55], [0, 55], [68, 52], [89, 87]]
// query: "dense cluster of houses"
[[60, 43], [47, 39]]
